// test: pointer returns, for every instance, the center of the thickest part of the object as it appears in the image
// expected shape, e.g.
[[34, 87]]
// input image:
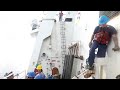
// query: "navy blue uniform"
[[101, 47]]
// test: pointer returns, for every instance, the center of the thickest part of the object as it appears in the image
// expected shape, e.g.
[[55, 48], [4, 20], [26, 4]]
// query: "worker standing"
[[60, 16], [40, 74], [100, 39]]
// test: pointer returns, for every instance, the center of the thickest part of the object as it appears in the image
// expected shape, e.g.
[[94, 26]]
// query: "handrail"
[[82, 73], [18, 74]]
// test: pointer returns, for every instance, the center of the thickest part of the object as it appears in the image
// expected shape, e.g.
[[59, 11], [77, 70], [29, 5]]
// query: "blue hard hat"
[[103, 19], [31, 74], [40, 76]]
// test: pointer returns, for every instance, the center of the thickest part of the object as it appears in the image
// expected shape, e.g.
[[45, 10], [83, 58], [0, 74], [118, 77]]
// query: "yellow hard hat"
[[39, 67]]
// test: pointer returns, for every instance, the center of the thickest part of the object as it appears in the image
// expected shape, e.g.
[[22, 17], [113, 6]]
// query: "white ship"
[[64, 44]]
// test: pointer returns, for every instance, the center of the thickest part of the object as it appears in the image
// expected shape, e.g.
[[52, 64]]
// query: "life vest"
[[102, 36]]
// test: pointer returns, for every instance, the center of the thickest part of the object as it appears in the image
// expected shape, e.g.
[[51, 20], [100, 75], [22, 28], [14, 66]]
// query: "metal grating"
[[67, 68], [110, 14]]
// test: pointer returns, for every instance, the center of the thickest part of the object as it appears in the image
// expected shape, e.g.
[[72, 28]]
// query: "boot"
[[90, 71]]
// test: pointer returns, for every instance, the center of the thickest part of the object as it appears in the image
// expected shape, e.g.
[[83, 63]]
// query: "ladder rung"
[[63, 46], [62, 27], [64, 42], [63, 55], [62, 23], [63, 33], [62, 36], [63, 39], [63, 52], [62, 30]]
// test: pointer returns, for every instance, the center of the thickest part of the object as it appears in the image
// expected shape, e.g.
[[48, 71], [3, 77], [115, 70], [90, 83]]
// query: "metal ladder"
[[63, 40]]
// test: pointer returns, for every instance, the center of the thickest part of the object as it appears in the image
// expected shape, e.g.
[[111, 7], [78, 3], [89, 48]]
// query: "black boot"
[[88, 66]]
